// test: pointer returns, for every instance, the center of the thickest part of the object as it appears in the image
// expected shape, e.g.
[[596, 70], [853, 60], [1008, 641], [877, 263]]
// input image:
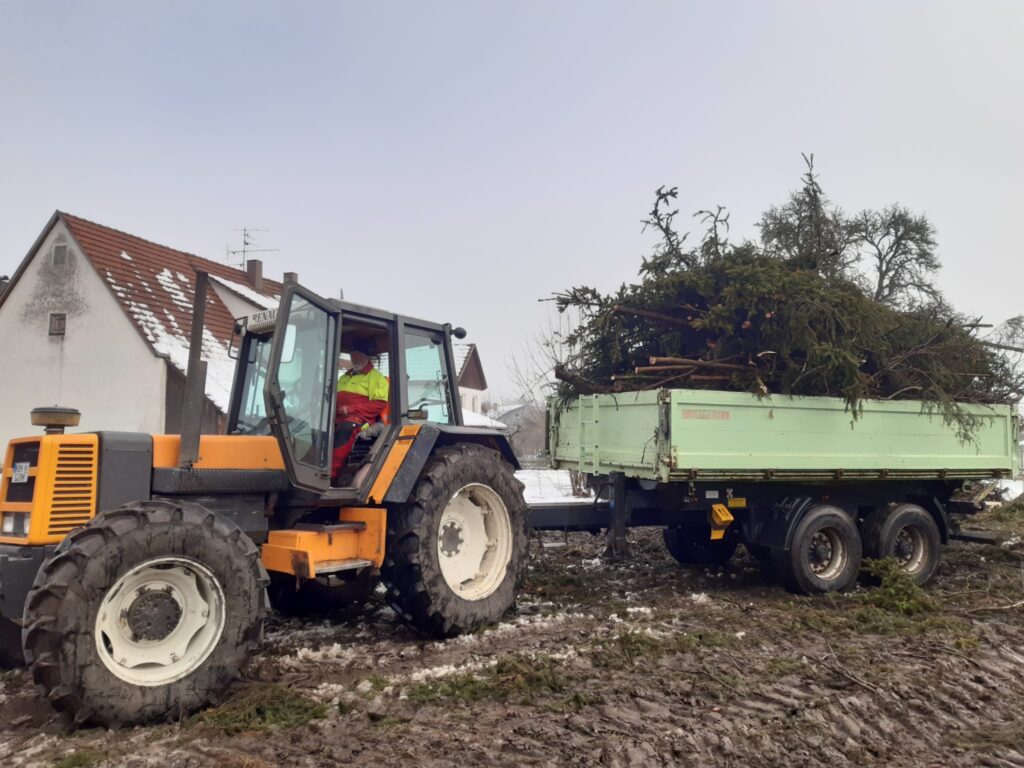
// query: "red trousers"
[[345, 434]]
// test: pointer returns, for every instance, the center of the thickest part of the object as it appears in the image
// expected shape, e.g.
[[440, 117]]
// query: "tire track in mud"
[[658, 666]]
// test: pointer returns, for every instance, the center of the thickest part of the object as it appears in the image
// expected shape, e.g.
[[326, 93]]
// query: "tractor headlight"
[[14, 524]]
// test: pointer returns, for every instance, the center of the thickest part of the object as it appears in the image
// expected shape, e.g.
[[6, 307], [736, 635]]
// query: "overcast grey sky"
[[460, 160]]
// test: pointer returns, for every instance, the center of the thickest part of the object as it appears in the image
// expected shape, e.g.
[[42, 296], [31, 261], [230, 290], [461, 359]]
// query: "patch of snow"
[[460, 353], [246, 292], [640, 609], [700, 598], [544, 486], [333, 652], [1011, 488], [474, 419], [172, 344], [329, 693], [125, 256], [167, 282], [447, 670]]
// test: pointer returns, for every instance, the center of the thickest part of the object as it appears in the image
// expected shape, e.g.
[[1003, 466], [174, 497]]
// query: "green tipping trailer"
[[799, 481]]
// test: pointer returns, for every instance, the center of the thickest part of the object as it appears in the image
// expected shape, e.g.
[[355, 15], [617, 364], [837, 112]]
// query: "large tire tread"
[[58, 658], [415, 587]]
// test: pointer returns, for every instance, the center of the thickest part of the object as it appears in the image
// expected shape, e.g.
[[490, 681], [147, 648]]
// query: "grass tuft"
[[80, 758], [897, 593], [260, 707], [515, 676]]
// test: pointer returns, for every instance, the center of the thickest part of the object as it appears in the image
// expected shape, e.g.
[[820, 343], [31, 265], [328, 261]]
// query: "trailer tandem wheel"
[[824, 555], [909, 534]]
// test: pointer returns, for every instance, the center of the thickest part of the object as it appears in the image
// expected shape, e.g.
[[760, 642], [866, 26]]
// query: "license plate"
[[20, 474]]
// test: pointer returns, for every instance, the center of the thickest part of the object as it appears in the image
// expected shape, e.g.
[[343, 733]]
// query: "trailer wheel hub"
[[910, 549], [827, 553], [153, 615]]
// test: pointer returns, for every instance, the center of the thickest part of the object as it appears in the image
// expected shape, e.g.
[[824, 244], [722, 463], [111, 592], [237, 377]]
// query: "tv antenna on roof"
[[248, 243]]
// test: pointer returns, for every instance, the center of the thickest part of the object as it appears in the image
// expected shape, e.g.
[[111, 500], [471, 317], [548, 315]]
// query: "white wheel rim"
[[909, 549], [474, 542], [160, 621], [827, 554]]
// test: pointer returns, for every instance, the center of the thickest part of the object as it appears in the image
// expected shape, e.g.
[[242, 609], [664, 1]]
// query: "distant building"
[[99, 320], [525, 424], [470, 373]]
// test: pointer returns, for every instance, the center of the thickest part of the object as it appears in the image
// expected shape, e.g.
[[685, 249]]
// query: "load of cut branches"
[[822, 304]]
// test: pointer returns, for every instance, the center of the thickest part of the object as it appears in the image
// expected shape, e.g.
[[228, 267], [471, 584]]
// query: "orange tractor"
[[135, 568]]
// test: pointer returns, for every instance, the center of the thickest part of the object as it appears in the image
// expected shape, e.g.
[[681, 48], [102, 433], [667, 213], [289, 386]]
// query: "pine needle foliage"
[[792, 314]]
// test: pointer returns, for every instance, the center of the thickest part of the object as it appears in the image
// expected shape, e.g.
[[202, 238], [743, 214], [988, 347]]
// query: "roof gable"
[[469, 370], [155, 287]]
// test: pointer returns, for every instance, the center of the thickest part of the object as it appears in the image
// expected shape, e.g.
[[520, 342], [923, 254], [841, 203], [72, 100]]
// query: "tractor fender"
[[433, 436]]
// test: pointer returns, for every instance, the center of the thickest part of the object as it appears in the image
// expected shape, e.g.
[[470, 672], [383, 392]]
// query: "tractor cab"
[[289, 363]]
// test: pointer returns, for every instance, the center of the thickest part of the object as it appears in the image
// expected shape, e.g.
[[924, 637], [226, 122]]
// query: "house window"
[[60, 255], [58, 323]]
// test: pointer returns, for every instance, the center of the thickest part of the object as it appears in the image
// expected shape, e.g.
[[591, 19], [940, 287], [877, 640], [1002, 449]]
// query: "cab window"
[[426, 373]]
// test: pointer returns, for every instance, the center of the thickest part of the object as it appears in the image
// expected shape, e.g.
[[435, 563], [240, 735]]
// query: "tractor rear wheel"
[[455, 551], [146, 613]]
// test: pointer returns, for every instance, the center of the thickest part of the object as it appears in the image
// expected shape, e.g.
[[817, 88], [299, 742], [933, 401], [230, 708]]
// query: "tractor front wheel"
[[455, 551], [146, 613]]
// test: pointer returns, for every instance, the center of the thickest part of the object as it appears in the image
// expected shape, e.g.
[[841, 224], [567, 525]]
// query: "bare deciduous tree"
[[899, 259]]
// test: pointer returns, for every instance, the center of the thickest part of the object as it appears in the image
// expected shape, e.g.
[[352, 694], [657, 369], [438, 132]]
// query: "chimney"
[[254, 270], [291, 277]]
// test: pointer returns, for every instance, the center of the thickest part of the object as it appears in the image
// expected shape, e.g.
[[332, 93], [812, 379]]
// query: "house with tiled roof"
[[99, 320], [470, 376]]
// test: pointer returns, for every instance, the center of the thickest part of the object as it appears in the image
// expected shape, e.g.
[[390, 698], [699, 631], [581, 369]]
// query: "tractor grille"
[[74, 487]]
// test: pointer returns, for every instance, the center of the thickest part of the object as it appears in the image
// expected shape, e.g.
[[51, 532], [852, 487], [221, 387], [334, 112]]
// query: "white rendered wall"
[[101, 366], [472, 399]]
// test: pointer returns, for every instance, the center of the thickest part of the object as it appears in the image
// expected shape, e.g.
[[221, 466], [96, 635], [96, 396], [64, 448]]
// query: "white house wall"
[[101, 365], [472, 399]]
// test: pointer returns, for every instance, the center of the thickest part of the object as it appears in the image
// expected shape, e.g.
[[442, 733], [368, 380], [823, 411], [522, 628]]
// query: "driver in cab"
[[361, 401]]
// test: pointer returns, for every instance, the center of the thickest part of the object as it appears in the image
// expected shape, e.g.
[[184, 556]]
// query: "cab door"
[[299, 392]]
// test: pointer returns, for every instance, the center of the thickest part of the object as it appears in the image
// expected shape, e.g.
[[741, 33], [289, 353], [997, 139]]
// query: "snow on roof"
[[249, 294], [155, 286], [474, 419], [503, 410], [460, 354]]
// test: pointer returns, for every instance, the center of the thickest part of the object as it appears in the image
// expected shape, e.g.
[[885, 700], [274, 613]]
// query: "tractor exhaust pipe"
[[195, 380]]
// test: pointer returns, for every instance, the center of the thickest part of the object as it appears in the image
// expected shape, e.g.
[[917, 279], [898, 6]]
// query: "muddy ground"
[[643, 663]]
